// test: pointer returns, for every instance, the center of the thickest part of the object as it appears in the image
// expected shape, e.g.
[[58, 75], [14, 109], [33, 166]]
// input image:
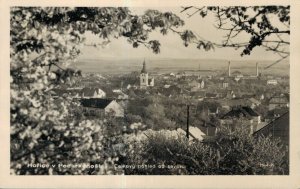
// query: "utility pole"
[[187, 121]]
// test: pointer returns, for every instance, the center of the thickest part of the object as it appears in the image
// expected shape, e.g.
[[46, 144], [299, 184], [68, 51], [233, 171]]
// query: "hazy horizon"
[[165, 65]]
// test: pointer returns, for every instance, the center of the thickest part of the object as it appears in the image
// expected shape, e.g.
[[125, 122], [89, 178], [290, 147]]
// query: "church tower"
[[144, 76]]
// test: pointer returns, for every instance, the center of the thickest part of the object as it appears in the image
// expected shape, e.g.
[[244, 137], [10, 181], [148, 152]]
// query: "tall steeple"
[[144, 70], [144, 82], [257, 69]]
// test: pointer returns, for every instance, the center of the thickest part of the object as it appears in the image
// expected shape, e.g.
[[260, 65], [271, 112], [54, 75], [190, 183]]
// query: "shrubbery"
[[232, 152]]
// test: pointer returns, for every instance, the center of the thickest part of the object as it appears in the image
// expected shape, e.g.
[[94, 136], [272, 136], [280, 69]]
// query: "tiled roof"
[[239, 112], [253, 100], [95, 102], [235, 102], [250, 111]]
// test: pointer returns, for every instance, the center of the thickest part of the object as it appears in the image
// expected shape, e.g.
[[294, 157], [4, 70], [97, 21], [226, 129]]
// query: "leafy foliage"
[[233, 152], [43, 43], [262, 26]]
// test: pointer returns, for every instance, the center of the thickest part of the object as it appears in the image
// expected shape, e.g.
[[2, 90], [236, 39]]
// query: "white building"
[[272, 82], [92, 93], [145, 80]]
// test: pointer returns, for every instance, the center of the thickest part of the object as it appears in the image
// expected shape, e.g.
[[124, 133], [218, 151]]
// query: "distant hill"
[[115, 66]]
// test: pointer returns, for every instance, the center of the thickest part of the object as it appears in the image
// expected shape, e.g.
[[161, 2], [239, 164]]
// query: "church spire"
[[144, 70]]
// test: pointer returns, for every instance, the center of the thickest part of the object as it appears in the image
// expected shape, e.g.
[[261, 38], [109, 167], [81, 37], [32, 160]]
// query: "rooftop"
[[239, 112], [95, 102]]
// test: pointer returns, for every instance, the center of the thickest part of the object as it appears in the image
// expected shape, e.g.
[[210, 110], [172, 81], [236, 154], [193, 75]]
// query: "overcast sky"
[[171, 44]]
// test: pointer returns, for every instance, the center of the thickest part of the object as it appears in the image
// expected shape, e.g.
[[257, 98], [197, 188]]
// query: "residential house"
[[180, 74], [272, 82], [171, 91], [90, 92], [260, 96], [200, 95], [279, 101], [195, 84], [120, 94], [232, 103], [225, 84], [202, 84], [241, 116], [98, 107], [254, 102], [230, 94], [72, 92]]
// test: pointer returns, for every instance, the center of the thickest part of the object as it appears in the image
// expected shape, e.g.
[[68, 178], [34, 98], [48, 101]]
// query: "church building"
[[145, 80]]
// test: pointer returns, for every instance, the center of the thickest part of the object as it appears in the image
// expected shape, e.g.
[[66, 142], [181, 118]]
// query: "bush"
[[232, 152]]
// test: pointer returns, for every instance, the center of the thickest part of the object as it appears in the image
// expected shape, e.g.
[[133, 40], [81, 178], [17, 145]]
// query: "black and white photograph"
[[172, 90]]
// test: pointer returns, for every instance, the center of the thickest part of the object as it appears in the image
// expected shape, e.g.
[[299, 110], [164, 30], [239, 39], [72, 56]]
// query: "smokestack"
[[229, 68], [256, 69]]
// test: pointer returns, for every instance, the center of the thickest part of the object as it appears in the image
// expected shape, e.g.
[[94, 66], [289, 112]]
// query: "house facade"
[[90, 92], [97, 107], [241, 116], [279, 101]]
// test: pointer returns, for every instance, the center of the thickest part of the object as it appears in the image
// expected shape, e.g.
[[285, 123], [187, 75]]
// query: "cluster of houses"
[[239, 106], [94, 101]]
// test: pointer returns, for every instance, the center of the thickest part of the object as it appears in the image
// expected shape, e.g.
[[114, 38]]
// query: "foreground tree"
[[44, 41], [248, 28]]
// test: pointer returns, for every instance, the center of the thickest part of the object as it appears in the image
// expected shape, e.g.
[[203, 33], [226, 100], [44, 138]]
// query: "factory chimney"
[[229, 69], [257, 69]]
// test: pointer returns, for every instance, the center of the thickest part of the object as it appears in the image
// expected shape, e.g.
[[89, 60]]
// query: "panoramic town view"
[[150, 107]]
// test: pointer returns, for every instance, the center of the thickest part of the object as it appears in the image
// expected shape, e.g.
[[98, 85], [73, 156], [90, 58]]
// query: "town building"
[[98, 107], [241, 116], [87, 92], [272, 82], [90, 92], [145, 80], [225, 84], [279, 101]]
